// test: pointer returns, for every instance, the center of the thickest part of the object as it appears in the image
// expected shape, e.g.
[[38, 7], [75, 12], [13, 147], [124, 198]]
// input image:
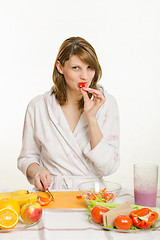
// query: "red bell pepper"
[[79, 196], [82, 84], [143, 218], [43, 201]]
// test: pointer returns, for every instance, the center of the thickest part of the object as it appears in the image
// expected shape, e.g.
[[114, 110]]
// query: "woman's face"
[[75, 71]]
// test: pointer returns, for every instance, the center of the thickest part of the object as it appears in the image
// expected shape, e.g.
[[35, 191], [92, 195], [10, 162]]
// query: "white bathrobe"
[[48, 141]]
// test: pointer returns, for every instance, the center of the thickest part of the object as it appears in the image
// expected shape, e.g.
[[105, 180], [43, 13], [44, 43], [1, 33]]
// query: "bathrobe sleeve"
[[105, 156], [30, 152]]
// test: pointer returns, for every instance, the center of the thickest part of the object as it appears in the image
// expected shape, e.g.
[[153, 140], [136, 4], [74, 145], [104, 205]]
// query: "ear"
[[59, 67]]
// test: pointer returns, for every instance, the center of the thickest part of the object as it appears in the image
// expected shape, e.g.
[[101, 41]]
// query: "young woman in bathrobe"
[[71, 133]]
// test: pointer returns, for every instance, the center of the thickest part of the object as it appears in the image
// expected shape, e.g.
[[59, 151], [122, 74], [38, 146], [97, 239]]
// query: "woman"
[[71, 133]]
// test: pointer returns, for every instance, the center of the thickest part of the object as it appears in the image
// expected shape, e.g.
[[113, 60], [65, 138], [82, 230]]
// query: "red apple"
[[31, 212]]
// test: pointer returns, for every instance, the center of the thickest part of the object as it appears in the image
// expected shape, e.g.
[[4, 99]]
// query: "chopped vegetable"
[[82, 84], [143, 218], [43, 201], [102, 196], [79, 196]]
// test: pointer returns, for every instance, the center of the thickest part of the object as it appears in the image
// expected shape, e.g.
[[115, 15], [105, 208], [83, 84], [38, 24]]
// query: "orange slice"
[[43, 201], [8, 218]]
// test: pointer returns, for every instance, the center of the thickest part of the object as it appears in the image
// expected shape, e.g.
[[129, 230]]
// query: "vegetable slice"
[[102, 196], [82, 84], [143, 218], [43, 201]]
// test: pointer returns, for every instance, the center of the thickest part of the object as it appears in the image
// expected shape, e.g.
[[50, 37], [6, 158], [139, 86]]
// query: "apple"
[[31, 212]]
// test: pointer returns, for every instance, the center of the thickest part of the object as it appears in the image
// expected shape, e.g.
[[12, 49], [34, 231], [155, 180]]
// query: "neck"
[[73, 97]]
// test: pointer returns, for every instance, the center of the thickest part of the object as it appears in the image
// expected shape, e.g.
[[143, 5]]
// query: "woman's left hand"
[[91, 106]]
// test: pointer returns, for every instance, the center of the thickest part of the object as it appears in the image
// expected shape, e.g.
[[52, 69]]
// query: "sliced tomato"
[[43, 201]]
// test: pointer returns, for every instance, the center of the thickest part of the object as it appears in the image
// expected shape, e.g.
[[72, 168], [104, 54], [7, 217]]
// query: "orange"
[[10, 203], [8, 218]]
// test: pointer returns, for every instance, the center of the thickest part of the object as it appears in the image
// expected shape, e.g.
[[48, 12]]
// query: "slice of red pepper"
[[43, 201], [143, 218], [79, 197], [82, 84]]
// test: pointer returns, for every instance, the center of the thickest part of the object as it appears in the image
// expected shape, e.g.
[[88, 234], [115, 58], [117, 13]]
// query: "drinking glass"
[[145, 184]]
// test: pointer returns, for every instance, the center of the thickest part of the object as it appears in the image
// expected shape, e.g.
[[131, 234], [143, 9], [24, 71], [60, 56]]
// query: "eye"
[[89, 67], [75, 67]]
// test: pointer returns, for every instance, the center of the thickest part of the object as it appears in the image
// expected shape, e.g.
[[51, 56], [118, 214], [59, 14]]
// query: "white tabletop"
[[73, 224]]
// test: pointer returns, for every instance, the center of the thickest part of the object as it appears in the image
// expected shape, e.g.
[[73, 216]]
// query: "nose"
[[83, 75]]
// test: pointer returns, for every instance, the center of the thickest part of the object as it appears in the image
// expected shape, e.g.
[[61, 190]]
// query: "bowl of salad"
[[100, 191]]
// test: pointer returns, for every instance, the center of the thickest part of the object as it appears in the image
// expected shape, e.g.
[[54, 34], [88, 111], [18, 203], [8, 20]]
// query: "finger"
[[48, 177], [98, 100], [90, 90], [37, 183], [44, 182], [99, 96], [94, 92], [85, 95], [41, 181]]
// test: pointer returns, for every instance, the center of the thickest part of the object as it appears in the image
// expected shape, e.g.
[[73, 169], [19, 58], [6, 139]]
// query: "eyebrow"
[[77, 64]]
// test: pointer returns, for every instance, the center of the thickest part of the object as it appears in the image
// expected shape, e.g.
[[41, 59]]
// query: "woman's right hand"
[[42, 177]]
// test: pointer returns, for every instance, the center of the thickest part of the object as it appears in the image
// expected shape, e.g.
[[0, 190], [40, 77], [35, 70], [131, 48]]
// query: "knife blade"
[[47, 189], [50, 193]]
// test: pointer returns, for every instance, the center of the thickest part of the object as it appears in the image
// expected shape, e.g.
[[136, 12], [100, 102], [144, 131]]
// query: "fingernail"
[[45, 186], [49, 184]]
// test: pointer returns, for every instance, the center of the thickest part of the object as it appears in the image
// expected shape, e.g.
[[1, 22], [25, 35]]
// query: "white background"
[[126, 37]]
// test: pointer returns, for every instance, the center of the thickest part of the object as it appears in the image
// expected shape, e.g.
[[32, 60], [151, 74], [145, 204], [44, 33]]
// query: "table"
[[73, 224]]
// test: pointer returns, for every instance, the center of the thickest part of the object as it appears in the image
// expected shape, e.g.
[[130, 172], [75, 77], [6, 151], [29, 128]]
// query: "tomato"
[[123, 222], [96, 213]]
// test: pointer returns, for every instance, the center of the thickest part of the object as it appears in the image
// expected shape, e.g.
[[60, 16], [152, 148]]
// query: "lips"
[[82, 84]]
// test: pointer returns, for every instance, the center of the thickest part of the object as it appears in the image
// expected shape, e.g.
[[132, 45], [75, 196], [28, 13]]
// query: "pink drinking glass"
[[145, 184]]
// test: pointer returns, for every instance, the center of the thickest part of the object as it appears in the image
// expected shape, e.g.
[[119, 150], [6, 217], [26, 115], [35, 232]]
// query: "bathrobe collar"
[[58, 119]]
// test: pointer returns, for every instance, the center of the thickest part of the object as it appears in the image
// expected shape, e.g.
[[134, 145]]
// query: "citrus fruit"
[[8, 218], [10, 203]]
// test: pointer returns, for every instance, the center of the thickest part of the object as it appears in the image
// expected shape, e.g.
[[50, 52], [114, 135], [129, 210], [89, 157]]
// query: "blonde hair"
[[83, 49]]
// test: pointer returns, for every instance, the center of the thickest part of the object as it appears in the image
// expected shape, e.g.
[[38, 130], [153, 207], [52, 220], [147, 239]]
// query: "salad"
[[102, 196], [139, 218]]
